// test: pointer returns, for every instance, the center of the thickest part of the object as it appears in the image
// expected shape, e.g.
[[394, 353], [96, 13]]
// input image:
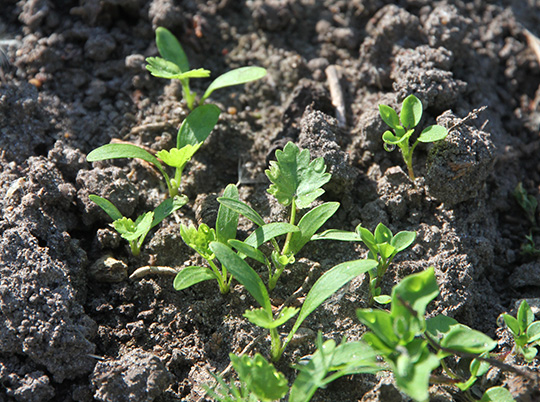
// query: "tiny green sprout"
[[383, 247], [174, 64], [527, 202], [259, 382], [404, 127], [191, 135], [135, 232], [525, 330]]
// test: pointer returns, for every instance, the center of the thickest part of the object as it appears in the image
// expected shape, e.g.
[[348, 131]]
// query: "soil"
[[73, 327]]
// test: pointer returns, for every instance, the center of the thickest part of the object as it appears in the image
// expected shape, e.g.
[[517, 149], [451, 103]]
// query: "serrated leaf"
[[199, 239], [237, 76], [198, 125], [170, 49], [243, 209], [310, 223], [190, 276], [130, 230], [411, 112], [402, 240], [243, 273], [106, 206], [295, 177], [336, 234], [162, 68], [227, 219], [178, 158], [328, 284], [433, 133], [389, 116], [260, 377], [167, 207]]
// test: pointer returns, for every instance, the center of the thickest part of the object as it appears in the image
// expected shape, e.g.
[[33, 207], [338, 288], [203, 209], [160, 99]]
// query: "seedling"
[[404, 127], [383, 247], [135, 232], [174, 64], [192, 133], [529, 204], [525, 331], [259, 381], [200, 239], [296, 183]]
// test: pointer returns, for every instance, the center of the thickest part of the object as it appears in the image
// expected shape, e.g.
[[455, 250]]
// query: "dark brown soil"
[[73, 78]]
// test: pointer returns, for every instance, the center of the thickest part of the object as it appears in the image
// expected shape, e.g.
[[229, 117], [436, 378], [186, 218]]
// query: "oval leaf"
[[411, 112], [235, 77], [464, 339], [190, 276], [242, 208], [389, 116], [227, 219], [335, 234], [402, 240], [170, 49], [497, 394], [433, 133], [533, 332], [268, 232], [197, 126]]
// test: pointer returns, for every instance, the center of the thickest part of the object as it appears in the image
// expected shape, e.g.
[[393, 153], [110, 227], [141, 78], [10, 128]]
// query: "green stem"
[[221, 277], [275, 345], [292, 221]]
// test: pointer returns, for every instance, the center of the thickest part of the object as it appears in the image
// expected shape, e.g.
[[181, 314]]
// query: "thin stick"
[[471, 116], [147, 270], [336, 94]]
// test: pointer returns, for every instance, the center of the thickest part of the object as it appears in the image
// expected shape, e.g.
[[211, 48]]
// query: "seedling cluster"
[[401, 339]]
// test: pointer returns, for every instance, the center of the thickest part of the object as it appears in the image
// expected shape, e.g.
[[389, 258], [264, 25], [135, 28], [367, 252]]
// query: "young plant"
[[383, 247], [192, 133], [173, 64], [296, 183], [414, 346], [404, 126], [200, 239], [529, 204], [259, 381], [135, 232], [525, 331], [329, 283]]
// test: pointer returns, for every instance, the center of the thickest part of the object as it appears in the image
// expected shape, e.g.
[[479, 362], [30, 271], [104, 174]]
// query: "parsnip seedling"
[[174, 64], [135, 232], [404, 127], [383, 247], [525, 330]]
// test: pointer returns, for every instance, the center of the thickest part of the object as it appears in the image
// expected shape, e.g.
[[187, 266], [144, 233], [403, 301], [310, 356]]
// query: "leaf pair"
[[174, 64], [135, 232], [525, 330]]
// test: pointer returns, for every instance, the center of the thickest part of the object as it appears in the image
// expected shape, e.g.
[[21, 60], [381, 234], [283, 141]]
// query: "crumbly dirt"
[[73, 327]]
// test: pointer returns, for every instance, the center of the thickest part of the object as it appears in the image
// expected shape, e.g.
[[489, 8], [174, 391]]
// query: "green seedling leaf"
[[310, 223], [411, 112], [260, 377], [167, 207], [227, 219], [242, 208], [433, 133], [335, 234], [237, 76], [525, 316], [243, 273], [402, 240], [367, 237], [390, 138], [268, 232], [439, 325], [199, 239], [497, 394], [512, 324], [386, 250], [170, 49], [162, 68], [533, 332], [197, 126], [178, 157], [132, 231], [190, 276], [418, 290], [383, 299], [464, 339], [529, 353], [389, 116], [294, 177], [382, 234], [327, 285], [248, 251], [354, 358], [117, 151], [106, 206], [263, 319], [381, 324]]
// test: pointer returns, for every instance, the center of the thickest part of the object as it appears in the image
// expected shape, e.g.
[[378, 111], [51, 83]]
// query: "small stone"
[[108, 269]]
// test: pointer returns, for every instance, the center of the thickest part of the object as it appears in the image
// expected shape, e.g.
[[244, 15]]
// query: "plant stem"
[[275, 345], [221, 277], [292, 221]]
